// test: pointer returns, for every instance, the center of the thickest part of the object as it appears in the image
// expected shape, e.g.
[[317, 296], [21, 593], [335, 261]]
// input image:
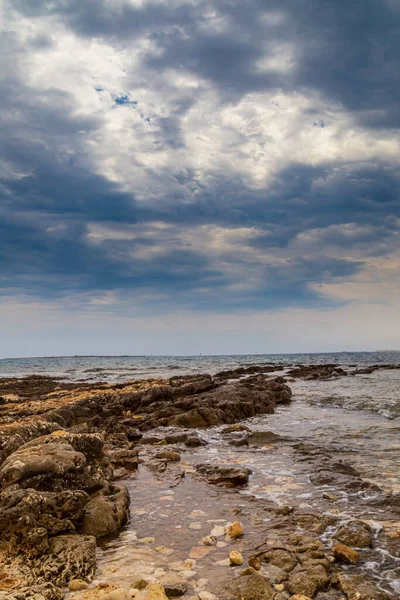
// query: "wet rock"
[[345, 554], [355, 533], [234, 530], [140, 584], [199, 551], [237, 427], [307, 582], [239, 441], [175, 590], [194, 441], [206, 596], [106, 512], [76, 585], [169, 456], [224, 474], [357, 588], [248, 587], [236, 558], [280, 558], [128, 459], [155, 591], [316, 523]]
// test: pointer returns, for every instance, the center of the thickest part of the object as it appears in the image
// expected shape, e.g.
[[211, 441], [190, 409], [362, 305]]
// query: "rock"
[[249, 587], [147, 540], [237, 427], [155, 591], [175, 590], [299, 597], [345, 554], [76, 585], [194, 441], [228, 475], [357, 588], [169, 456], [208, 540], [234, 530], [316, 523], [206, 596], [307, 582], [280, 558], [236, 558], [72, 557], [355, 533], [128, 459], [106, 512], [139, 584], [239, 441], [248, 571]]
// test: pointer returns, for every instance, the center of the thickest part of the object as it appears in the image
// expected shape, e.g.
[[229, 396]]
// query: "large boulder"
[[106, 512], [57, 462]]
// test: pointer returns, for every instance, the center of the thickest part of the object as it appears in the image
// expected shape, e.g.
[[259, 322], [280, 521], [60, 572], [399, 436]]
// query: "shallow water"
[[177, 517]]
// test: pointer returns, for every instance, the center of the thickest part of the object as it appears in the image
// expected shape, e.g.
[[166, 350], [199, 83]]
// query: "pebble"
[[236, 558], [235, 530], [279, 587], [248, 571], [206, 596], [147, 540], [155, 591], [221, 544], [195, 526], [208, 540], [299, 597], [77, 584], [139, 584], [329, 496]]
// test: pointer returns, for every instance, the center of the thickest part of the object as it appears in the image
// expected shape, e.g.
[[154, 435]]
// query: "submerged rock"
[[224, 474], [355, 533]]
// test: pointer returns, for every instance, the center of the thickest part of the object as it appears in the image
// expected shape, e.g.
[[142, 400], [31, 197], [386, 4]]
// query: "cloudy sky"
[[185, 176]]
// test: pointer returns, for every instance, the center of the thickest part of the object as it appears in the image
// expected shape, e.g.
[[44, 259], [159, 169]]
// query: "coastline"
[[74, 459]]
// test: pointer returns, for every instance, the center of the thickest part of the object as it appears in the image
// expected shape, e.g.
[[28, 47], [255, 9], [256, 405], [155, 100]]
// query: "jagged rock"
[[129, 459], [58, 461], [316, 523], [106, 512], [74, 557], [235, 558], [248, 587], [280, 558], [234, 530], [224, 474], [355, 533], [307, 582], [357, 588]]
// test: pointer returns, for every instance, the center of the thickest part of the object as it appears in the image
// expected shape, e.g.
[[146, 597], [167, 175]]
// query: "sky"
[[186, 176]]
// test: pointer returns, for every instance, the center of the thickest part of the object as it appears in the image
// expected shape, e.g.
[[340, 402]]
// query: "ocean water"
[[378, 392]]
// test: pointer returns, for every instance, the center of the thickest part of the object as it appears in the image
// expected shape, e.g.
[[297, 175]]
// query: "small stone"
[[169, 456], [248, 571], [196, 526], [206, 596], [189, 563], [208, 540], [329, 496], [300, 597], [139, 584], [199, 551], [235, 530], [255, 562], [346, 554], [147, 540], [236, 558], [155, 591], [221, 544], [279, 587], [174, 590], [77, 584]]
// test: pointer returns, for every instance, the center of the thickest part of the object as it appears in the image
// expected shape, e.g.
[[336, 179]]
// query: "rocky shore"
[[77, 460]]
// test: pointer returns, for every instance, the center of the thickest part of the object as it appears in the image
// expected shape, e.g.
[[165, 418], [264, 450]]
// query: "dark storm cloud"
[[50, 194]]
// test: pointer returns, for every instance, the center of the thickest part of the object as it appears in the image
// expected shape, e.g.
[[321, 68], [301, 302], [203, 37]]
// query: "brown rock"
[[355, 533], [345, 554], [235, 530]]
